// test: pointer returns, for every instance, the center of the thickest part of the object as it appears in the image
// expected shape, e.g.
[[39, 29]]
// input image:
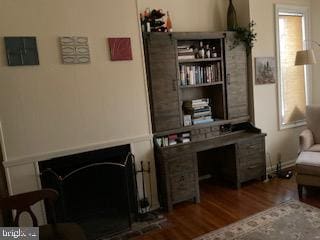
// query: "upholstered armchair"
[[308, 162], [310, 137]]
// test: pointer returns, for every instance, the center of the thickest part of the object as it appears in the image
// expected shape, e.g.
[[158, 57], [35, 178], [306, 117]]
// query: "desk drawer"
[[182, 187], [181, 164], [176, 150], [253, 159], [252, 171], [251, 147]]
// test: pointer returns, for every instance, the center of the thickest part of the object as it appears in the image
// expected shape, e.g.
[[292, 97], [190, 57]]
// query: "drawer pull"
[[253, 166], [181, 179]]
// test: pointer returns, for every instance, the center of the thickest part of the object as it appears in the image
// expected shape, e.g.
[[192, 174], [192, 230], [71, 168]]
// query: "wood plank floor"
[[222, 205]]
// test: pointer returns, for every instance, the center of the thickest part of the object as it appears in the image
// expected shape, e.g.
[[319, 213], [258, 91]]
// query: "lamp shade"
[[305, 57]]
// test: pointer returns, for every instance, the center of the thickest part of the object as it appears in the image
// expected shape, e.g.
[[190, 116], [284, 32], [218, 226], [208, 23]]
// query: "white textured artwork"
[[74, 50]]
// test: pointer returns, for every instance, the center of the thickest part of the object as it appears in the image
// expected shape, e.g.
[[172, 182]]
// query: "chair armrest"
[[306, 140]]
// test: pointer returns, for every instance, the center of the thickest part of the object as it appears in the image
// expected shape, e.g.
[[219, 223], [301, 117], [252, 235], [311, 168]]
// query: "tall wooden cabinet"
[[199, 106], [236, 78], [163, 86]]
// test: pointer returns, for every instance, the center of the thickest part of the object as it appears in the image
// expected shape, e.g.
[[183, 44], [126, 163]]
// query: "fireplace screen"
[[97, 189]]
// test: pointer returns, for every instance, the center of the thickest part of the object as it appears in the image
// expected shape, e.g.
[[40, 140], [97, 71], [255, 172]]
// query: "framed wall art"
[[21, 51], [74, 50], [266, 71], [120, 49]]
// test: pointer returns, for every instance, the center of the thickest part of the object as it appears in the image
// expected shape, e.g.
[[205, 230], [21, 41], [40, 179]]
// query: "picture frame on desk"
[[187, 121]]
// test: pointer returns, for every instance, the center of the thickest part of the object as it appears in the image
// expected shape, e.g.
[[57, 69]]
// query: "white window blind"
[[294, 82], [293, 78]]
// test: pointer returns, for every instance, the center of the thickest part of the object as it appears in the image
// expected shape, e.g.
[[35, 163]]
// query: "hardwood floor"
[[222, 205]]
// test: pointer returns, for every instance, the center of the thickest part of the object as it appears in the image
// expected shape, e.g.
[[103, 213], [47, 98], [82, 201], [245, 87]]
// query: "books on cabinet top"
[[174, 139], [199, 110]]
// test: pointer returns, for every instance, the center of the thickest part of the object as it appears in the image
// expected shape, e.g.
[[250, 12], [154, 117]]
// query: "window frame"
[[305, 12]]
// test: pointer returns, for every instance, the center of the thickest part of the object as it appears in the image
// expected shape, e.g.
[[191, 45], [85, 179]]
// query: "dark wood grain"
[[221, 205], [162, 81], [226, 150], [236, 78]]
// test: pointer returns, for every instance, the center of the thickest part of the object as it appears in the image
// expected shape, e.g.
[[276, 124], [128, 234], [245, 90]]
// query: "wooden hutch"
[[223, 144]]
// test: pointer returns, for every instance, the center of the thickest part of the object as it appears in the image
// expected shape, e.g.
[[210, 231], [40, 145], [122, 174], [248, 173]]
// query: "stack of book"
[[173, 139], [185, 52], [199, 109], [192, 75]]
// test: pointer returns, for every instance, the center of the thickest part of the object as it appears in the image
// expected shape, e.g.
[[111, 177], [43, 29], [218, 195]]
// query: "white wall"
[[195, 16], [191, 16], [53, 106], [283, 142], [55, 109]]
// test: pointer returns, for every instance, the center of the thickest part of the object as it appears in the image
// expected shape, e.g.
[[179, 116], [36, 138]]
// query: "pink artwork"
[[120, 49]]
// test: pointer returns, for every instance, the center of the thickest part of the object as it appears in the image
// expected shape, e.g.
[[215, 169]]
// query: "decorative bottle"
[[201, 50], [232, 17], [208, 51]]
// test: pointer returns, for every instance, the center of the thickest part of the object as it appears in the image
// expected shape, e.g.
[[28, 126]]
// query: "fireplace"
[[97, 189]]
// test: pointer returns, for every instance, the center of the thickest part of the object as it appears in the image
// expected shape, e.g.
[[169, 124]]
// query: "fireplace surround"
[[97, 189]]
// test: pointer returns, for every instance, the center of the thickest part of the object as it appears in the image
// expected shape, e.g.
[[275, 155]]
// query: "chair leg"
[[300, 188]]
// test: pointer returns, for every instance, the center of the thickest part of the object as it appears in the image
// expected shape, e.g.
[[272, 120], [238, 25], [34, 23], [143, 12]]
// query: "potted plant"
[[245, 35]]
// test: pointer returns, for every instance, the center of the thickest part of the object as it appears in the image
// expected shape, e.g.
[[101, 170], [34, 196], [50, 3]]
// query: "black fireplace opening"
[[97, 189]]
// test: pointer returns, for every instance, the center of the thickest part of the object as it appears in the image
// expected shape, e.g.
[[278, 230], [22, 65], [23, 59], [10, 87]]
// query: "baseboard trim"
[[285, 164], [63, 152]]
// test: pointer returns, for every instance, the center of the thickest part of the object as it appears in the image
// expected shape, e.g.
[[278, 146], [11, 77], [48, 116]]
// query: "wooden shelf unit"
[[227, 91]]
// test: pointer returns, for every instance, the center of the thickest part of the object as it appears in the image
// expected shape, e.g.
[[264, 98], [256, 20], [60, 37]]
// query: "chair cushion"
[[306, 140], [308, 163], [314, 148], [313, 120], [61, 231]]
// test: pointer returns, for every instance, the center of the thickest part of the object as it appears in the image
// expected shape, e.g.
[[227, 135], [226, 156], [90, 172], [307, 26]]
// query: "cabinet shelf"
[[196, 60], [201, 85]]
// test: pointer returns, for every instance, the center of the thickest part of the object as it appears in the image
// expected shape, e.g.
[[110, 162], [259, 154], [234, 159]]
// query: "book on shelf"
[[202, 102], [185, 53], [185, 135], [185, 50], [196, 74], [196, 108], [208, 117], [201, 114], [179, 47], [186, 140], [202, 121], [199, 110], [186, 57], [173, 139]]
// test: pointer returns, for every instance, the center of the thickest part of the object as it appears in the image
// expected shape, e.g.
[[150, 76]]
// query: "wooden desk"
[[177, 166]]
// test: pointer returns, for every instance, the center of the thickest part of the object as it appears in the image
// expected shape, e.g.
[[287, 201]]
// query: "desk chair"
[[56, 231]]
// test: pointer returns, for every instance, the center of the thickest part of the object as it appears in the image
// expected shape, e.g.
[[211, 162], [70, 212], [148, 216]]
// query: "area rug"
[[290, 220]]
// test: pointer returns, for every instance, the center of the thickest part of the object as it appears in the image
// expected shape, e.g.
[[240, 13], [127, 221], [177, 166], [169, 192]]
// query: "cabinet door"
[[183, 178], [163, 85], [236, 78]]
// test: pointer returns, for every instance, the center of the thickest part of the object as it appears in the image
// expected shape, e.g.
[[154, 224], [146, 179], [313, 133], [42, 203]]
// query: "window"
[[293, 81]]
